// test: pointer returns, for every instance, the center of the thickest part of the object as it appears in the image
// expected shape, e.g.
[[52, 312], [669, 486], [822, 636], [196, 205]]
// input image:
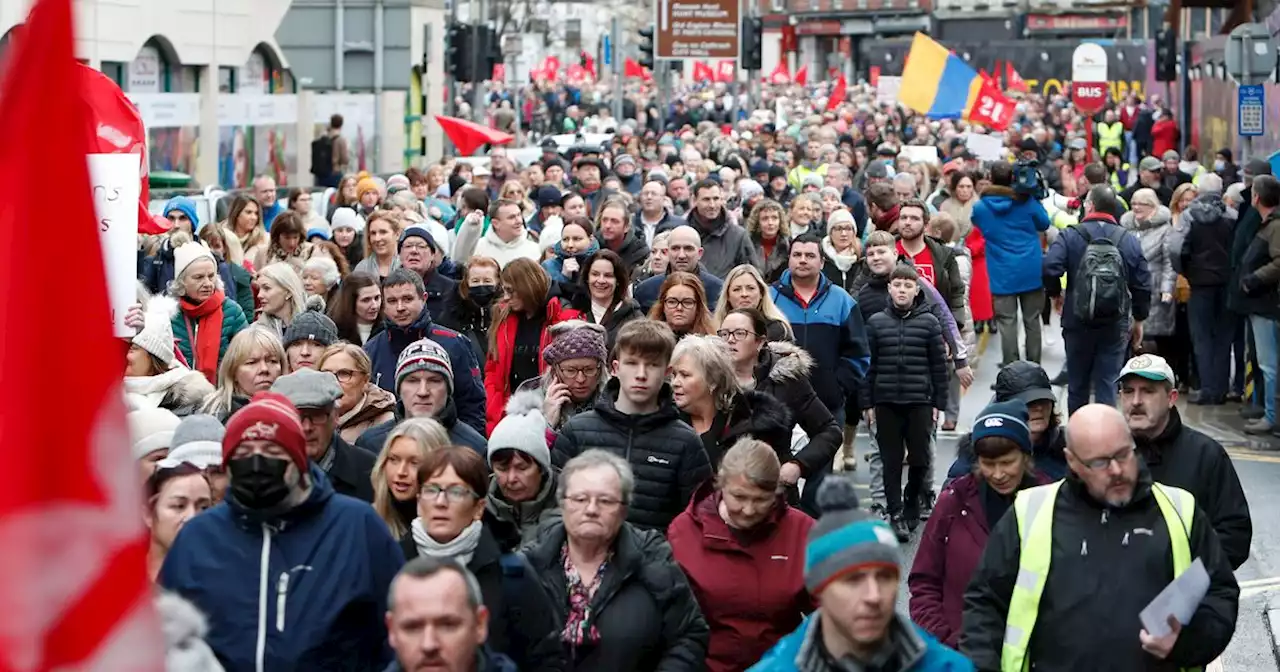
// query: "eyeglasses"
[[840, 227], [1121, 458], [417, 247], [581, 501], [735, 334], [572, 372], [454, 494], [344, 375], [687, 304]]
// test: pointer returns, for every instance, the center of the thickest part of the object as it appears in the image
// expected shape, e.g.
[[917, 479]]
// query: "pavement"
[[1256, 644]]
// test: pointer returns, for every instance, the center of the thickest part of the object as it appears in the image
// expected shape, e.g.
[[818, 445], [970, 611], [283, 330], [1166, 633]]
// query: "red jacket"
[[750, 587], [1164, 137], [497, 366], [950, 550]]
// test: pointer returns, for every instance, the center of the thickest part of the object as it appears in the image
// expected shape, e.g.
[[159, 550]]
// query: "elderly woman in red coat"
[[742, 548], [964, 515]]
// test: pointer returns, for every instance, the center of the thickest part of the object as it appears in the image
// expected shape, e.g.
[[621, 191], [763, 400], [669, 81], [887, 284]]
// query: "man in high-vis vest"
[[1067, 571], [1110, 133]]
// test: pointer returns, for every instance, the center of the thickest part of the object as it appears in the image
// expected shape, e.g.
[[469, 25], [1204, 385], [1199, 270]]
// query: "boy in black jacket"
[[906, 389]]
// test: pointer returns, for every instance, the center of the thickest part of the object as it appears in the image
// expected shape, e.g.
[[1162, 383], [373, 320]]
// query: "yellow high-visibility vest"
[[1110, 135], [1034, 509]]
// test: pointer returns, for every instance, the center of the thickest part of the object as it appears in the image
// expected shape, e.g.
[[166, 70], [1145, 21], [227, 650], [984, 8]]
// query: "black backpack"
[[1100, 289], [322, 155]]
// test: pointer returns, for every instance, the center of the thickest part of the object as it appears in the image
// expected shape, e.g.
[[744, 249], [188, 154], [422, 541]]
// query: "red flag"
[[780, 74], [1014, 81], [802, 75], [551, 68], [986, 77], [874, 75], [117, 126], [589, 64], [633, 70], [702, 72], [78, 598], [991, 108], [724, 71], [838, 93], [578, 74], [499, 72]]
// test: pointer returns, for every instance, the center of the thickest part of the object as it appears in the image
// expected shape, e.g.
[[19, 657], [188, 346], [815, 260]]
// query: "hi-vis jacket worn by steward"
[[1064, 577]]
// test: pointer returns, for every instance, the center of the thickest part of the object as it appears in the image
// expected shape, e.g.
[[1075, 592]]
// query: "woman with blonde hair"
[[514, 191], [1182, 198], [362, 405], [249, 236], [744, 287], [395, 472], [682, 305], [254, 360], [282, 297], [924, 178], [770, 235]]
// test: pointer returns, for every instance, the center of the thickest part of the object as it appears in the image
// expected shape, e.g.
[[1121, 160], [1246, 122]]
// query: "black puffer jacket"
[[783, 373], [470, 320], [663, 450], [644, 609], [1078, 630], [1183, 457], [872, 294], [755, 414], [908, 364], [1205, 257]]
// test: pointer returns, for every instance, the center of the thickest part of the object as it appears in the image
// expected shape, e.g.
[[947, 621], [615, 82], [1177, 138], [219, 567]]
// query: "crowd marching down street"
[[596, 408]]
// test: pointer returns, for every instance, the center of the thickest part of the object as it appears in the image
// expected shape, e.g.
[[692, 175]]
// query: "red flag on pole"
[[838, 92], [724, 71], [702, 72], [802, 75], [77, 598], [991, 108], [589, 64], [1014, 81], [780, 74], [633, 70]]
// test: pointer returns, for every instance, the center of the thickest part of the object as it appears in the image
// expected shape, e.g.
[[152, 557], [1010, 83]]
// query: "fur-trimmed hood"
[[782, 362], [184, 629], [760, 415], [179, 389]]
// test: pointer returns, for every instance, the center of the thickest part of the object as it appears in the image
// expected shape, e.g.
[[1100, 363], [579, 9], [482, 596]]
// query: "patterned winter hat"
[[156, 336], [573, 339], [269, 416], [845, 538], [424, 355]]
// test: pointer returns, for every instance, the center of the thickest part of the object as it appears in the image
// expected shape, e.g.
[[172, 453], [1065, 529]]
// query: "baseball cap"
[[1151, 367], [1150, 163]]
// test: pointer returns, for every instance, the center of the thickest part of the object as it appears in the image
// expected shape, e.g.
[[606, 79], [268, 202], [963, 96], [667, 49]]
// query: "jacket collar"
[[1153, 449], [1141, 491], [715, 227], [704, 511], [902, 650]]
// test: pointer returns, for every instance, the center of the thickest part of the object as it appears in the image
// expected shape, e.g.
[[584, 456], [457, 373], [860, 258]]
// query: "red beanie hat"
[[270, 416]]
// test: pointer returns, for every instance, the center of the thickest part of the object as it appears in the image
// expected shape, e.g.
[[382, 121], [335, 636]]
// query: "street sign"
[[1250, 54], [1251, 108], [1089, 78], [606, 49], [696, 29], [1089, 97]]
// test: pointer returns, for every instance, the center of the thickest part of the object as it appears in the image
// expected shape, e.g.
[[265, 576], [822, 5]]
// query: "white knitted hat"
[[198, 440], [186, 254], [346, 218], [524, 432], [152, 430], [156, 336]]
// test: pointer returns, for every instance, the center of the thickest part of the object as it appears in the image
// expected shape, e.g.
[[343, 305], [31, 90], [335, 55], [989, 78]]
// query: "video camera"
[[1028, 182]]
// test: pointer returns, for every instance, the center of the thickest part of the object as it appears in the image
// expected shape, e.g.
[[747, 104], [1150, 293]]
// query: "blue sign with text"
[[1251, 110]]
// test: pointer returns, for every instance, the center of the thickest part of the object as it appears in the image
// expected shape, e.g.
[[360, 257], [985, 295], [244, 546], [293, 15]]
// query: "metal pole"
[[1246, 50], [451, 86], [426, 91], [514, 78], [478, 57], [615, 47], [660, 74]]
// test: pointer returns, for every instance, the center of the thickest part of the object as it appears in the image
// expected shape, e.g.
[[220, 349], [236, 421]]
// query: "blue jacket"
[[1066, 251], [1012, 228], [555, 265], [329, 564], [936, 657], [857, 207], [269, 214], [384, 349], [646, 293], [831, 330], [460, 433]]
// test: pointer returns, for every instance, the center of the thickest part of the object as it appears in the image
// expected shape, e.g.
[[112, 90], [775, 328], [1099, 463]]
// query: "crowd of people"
[[587, 413]]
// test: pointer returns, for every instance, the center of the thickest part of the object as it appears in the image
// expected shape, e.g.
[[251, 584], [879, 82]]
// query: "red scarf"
[[204, 328], [887, 218]]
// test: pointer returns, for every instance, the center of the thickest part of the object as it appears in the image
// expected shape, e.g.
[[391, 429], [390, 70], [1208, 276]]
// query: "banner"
[[114, 179]]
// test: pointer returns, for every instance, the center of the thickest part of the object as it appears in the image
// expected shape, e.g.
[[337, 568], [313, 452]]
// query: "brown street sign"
[[696, 29]]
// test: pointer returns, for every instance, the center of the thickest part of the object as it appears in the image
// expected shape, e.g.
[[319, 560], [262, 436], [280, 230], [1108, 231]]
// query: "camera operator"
[[1011, 221]]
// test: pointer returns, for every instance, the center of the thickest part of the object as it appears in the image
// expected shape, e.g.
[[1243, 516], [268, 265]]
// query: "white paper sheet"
[[1180, 598]]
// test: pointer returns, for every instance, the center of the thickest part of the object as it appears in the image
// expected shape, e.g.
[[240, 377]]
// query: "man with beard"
[[282, 501], [1181, 456], [1150, 176], [420, 253], [678, 192], [499, 173], [588, 175], [625, 168], [616, 234], [653, 217], [1114, 538], [724, 245]]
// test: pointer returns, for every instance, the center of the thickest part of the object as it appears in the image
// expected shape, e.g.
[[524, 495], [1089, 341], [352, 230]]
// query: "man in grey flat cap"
[[315, 394]]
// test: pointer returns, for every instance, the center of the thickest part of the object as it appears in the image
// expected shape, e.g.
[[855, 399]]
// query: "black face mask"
[[482, 295], [258, 482]]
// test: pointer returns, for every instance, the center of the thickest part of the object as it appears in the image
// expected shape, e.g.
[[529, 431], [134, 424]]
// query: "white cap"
[[188, 254], [152, 430], [346, 218], [1151, 367], [156, 336]]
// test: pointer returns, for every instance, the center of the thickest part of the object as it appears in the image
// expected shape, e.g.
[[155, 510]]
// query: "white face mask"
[[1219, 164]]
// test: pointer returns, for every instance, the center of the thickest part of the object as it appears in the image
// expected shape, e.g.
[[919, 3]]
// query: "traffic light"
[[490, 49], [457, 52], [752, 57], [1166, 56], [646, 48]]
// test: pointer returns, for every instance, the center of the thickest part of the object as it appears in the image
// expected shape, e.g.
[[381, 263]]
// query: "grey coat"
[[1160, 244]]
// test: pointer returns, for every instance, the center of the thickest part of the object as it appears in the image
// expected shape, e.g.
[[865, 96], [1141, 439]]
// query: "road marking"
[[1248, 455]]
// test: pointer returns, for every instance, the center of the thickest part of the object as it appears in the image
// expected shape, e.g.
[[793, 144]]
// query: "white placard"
[[920, 153], [114, 178], [887, 89], [986, 147]]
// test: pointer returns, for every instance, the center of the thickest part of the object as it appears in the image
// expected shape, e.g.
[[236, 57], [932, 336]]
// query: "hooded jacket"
[[1011, 227], [184, 630], [783, 372], [490, 245], [460, 433], [908, 364], [665, 453], [1155, 236], [527, 516], [950, 549], [1068, 249], [633, 250], [724, 245], [179, 389], [913, 650], [555, 265], [644, 609], [385, 347], [830, 328], [1186, 458], [376, 407], [1123, 553], [1205, 254], [872, 294], [751, 414], [750, 583], [307, 587], [1049, 454]]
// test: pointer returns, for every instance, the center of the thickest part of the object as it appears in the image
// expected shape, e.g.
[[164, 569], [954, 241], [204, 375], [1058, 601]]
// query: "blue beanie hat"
[[845, 538], [1007, 419], [187, 207]]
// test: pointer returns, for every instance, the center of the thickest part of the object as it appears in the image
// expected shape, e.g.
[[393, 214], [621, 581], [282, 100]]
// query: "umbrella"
[[467, 136]]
